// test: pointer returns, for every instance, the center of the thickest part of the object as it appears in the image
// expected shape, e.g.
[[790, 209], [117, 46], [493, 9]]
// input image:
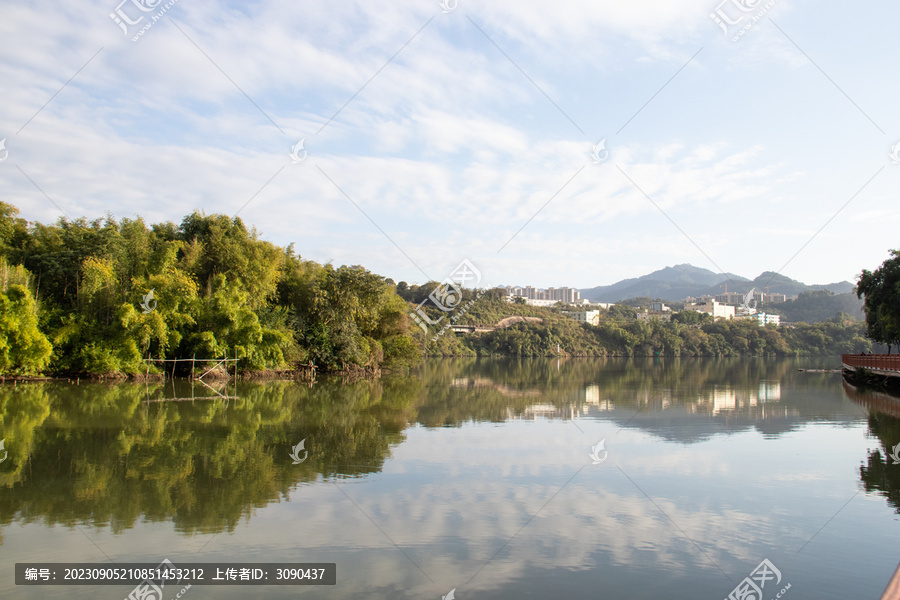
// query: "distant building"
[[658, 315], [742, 312], [737, 298], [659, 307], [534, 302], [584, 316], [564, 294], [713, 308], [730, 298], [767, 318]]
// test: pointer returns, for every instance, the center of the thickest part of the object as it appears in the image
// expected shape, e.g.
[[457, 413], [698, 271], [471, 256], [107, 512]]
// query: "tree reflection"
[[880, 474], [103, 454], [113, 455]]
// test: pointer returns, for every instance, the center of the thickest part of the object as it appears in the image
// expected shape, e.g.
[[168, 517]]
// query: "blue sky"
[[434, 137]]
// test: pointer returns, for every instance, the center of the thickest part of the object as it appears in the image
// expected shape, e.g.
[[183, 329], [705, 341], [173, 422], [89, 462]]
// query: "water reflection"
[[706, 397], [454, 460], [881, 473], [103, 453]]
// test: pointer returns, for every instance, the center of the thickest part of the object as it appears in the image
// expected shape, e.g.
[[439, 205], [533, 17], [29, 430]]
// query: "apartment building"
[[584, 316], [566, 295], [713, 308]]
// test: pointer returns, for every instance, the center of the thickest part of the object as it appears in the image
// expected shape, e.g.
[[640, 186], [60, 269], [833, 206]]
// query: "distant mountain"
[[767, 281], [842, 287], [674, 284]]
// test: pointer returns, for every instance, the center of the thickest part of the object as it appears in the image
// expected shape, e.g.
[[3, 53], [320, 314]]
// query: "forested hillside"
[[817, 306], [620, 333], [76, 298]]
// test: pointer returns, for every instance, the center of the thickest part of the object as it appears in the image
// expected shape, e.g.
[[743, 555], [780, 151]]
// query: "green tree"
[[218, 244], [13, 230], [691, 317], [23, 347], [226, 324], [881, 289]]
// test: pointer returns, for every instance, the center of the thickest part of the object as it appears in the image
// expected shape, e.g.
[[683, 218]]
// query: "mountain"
[[674, 284], [767, 281], [842, 287]]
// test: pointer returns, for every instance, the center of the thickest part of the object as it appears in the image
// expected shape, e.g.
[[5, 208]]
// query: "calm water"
[[473, 475]]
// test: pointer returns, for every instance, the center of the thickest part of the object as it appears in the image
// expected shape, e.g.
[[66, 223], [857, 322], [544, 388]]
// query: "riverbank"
[[879, 371]]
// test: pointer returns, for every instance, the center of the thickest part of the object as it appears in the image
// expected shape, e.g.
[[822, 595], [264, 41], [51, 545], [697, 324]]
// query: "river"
[[496, 479]]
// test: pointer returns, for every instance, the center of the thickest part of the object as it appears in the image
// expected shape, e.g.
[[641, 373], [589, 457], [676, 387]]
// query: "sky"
[[549, 144]]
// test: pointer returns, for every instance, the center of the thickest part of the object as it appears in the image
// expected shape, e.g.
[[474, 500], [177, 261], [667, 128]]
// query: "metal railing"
[[873, 362]]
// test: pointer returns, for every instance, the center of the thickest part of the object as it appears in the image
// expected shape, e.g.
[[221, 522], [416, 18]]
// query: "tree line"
[[619, 333], [99, 297]]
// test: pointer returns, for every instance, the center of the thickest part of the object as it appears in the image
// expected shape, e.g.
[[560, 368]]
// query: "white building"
[[713, 308], [767, 319], [565, 294], [584, 316], [535, 302]]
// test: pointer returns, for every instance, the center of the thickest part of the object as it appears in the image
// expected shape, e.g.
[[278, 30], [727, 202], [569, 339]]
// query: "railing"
[[873, 362]]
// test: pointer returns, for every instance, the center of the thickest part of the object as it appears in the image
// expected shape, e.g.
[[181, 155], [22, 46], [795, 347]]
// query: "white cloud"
[[449, 148]]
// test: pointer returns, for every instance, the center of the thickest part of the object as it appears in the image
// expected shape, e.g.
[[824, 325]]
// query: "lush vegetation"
[[881, 289], [656, 338], [620, 333], [816, 306], [99, 297]]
